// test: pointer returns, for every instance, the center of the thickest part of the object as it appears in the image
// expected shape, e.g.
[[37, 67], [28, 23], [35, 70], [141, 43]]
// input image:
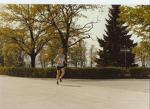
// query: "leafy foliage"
[[26, 28], [77, 54], [32, 26], [64, 17], [142, 54], [137, 18]]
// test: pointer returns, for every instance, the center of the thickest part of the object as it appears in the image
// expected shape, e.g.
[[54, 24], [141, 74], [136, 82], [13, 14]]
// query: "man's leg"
[[57, 77], [62, 74]]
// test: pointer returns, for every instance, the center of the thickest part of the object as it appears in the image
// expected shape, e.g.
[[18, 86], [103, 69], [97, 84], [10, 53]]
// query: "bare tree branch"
[[86, 37], [87, 26]]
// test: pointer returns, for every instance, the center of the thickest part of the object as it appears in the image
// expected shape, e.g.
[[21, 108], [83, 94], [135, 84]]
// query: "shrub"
[[78, 73], [139, 72], [94, 73], [28, 72]]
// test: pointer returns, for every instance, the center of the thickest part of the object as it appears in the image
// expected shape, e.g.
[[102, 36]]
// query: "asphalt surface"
[[43, 93]]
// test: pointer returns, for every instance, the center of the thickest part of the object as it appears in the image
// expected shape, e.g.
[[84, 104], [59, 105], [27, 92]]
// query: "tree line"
[[29, 28], [40, 30]]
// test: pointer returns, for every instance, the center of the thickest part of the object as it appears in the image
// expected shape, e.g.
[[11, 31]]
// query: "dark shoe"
[[60, 79], [57, 82]]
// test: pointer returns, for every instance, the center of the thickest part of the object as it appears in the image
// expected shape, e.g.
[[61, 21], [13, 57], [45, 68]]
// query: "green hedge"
[[79, 73], [94, 73], [28, 72], [139, 73]]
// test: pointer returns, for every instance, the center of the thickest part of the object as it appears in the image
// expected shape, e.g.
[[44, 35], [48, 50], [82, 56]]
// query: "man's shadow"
[[70, 85]]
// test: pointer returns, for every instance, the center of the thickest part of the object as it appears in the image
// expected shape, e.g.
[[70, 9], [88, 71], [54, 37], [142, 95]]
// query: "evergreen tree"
[[116, 38]]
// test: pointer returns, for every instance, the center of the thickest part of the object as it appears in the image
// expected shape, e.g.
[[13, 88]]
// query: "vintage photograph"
[[74, 55]]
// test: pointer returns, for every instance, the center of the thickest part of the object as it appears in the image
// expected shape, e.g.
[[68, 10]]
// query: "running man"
[[60, 59]]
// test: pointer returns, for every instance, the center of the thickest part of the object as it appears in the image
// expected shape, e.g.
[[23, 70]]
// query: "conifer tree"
[[116, 37]]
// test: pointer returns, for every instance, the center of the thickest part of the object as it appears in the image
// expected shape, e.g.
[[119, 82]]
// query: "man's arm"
[[55, 60], [65, 60]]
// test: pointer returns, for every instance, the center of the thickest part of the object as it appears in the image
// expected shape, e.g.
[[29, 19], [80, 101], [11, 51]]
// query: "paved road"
[[31, 93]]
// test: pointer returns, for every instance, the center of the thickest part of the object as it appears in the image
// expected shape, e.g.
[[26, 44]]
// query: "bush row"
[[80, 73], [94, 73], [28, 72], [139, 73]]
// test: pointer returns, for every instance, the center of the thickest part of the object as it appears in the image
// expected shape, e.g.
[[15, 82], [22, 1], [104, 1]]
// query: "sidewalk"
[[43, 93]]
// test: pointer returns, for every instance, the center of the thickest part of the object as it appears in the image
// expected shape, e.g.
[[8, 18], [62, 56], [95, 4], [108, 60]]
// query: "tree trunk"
[[66, 56], [76, 64], [91, 58], [33, 60], [20, 59], [65, 50], [81, 58], [44, 64], [2, 61], [52, 62]]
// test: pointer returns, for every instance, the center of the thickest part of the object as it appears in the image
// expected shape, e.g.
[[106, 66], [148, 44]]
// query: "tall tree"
[[82, 53], [26, 28], [64, 18], [115, 39], [92, 55], [73, 57]]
